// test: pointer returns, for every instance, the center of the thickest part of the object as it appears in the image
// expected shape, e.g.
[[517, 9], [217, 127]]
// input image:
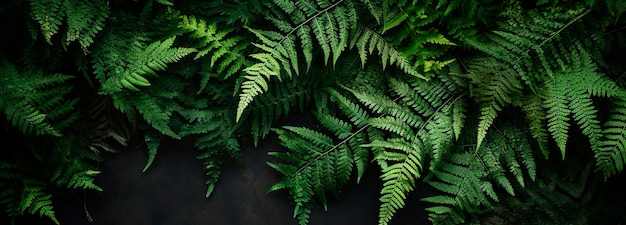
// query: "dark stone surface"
[[172, 192]]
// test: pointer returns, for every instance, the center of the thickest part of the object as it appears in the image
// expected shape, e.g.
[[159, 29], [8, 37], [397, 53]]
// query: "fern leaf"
[[35, 201], [49, 14], [225, 52], [611, 157], [34, 102], [558, 113], [156, 114], [399, 177], [496, 87], [328, 21], [357, 115], [116, 73], [462, 178], [153, 142], [366, 40], [536, 115]]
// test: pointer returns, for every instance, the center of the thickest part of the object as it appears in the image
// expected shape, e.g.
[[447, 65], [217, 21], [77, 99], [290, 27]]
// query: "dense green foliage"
[[473, 98]]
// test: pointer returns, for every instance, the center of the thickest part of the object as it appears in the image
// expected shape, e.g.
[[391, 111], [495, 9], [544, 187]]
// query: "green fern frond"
[[225, 53], [36, 103], [570, 93], [23, 195], [611, 157], [327, 22], [319, 164], [84, 19], [315, 173], [29, 120], [117, 73], [34, 200], [494, 87], [358, 116], [399, 176], [49, 14], [157, 113], [152, 142], [384, 105], [522, 44], [279, 102], [75, 168], [462, 178], [536, 115], [367, 40]]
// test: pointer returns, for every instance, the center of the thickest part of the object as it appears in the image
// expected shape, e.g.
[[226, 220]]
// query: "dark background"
[[172, 190]]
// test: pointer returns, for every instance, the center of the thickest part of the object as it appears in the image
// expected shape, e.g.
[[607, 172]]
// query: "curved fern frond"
[[119, 65], [279, 102], [84, 19], [35, 103], [494, 87], [367, 40], [24, 195], [223, 51], [327, 22], [462, 178], [399, 177], [312, 170], [611, 156]]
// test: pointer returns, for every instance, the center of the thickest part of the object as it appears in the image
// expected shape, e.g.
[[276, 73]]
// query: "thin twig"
[[89, 218]]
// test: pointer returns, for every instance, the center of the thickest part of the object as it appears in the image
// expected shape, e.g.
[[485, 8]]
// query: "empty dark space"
[[172, 190]]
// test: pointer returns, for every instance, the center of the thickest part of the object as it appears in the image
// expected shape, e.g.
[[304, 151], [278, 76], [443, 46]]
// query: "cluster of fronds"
[[433, 91], [535, 63], [84, 19], [334, 27], [30, 173], [35, 103], [319, 164]]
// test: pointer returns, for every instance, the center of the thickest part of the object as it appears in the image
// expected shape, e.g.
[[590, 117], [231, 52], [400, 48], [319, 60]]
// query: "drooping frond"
[[152, 142], [314, 167], [366, 41], [418, 123], [462, 179], [122, 64], [211, 129], [223, 52], [319, 164], [536, 115], [76, 170], [24, 195], [405, 164], [299, 25], [611, 156], [570, 93], [33, 102], [84, 19], [494, 87], [279, 102]]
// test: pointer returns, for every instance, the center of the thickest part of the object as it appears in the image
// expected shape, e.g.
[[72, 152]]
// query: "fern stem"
[[308, 20], [333, 148], [338, 144], [438, 109], [554, 34], [564, 27]]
